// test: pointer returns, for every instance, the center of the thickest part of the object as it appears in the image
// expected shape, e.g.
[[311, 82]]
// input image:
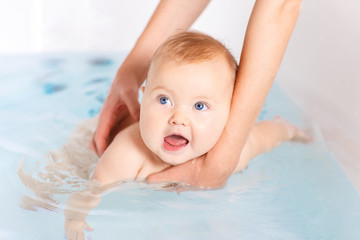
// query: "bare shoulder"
[[124, 157]]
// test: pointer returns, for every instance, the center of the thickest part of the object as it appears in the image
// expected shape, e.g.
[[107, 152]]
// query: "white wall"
[[321, 73], [320, 70], [33, 26]]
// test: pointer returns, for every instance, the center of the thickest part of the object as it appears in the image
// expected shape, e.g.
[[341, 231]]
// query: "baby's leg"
[[266, 135]]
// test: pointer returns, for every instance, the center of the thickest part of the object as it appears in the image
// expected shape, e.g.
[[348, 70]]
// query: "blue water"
[[294, 192]]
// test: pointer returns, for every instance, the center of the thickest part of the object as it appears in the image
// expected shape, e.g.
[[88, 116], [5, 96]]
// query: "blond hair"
[[195, 47]]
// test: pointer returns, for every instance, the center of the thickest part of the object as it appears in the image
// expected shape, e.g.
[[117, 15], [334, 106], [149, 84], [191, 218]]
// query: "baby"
[[184, 110], [185, 106]]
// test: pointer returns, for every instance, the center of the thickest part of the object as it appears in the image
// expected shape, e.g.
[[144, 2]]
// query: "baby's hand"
[[74, 229]]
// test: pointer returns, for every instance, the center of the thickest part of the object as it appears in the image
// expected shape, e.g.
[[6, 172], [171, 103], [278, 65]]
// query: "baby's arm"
[[76, 211], [121, 161], [266, 135]]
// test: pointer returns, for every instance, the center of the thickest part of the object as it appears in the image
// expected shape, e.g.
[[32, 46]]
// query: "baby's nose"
[[179, 118]]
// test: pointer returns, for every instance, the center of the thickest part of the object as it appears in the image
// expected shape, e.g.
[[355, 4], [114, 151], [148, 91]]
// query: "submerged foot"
[[295, 133]]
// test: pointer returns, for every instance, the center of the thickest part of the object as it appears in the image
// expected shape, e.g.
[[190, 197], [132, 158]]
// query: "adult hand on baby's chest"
[[196, 172]]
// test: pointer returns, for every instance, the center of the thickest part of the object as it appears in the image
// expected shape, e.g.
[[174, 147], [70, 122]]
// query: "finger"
[[98, 142], [98, 145], [109, 117], [93, 145], [133, 105]]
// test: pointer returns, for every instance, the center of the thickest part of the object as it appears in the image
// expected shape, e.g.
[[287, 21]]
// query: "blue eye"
[[164, 101], [200, 106]]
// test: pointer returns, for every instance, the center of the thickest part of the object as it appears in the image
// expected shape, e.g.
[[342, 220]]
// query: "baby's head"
[[187, 97]]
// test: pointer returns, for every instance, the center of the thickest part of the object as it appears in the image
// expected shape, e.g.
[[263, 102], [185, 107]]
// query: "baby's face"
[[185, 108]]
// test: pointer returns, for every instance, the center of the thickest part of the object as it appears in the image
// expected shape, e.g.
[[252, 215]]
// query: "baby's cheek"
[[145, 129], [206, 140], [214, 131], [147, 119], [151, 132]]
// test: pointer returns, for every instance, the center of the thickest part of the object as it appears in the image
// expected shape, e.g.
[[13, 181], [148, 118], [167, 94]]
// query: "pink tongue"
[[176, 140]]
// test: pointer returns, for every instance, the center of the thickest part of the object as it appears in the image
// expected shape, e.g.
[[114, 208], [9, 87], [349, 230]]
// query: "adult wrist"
[[134, 66]]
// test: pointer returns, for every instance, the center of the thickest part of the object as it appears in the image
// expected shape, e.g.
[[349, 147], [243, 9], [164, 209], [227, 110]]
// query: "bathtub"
[[296, 191]]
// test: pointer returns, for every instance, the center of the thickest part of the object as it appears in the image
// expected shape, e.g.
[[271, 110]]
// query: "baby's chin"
[[177, 159], [174, 160]]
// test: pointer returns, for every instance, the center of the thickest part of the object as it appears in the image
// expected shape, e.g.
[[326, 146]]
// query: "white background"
[[320, 71]]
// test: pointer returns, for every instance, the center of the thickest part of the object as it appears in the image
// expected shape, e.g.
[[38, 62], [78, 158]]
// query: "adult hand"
[[196, 173], [120, 104], [209, 171]]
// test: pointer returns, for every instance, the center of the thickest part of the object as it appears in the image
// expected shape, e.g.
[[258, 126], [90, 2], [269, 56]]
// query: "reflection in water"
[[66, 170]]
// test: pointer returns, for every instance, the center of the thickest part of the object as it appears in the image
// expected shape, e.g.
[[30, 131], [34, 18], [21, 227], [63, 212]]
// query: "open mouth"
[[175, 142]]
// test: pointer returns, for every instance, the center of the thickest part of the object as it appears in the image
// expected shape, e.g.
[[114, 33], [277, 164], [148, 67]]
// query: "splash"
[[65, 170]]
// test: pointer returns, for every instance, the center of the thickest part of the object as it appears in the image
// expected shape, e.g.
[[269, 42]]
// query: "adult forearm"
[[169, 17], [270, 26]]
